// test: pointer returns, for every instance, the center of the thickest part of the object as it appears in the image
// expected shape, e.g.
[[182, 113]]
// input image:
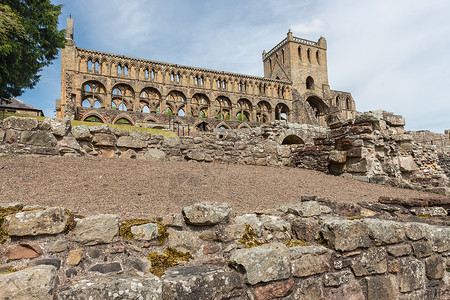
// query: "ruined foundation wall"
[[373, 147], [310, 249]]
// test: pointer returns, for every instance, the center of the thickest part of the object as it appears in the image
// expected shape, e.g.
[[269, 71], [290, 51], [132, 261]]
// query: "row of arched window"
[[347, 104], [309, 55], [150, 101]]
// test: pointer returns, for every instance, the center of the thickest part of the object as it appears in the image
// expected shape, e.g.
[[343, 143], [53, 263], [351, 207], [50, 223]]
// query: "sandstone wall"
[[311, 249], [373, 147]]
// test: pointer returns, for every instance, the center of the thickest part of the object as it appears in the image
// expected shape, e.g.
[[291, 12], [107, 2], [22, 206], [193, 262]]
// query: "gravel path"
[[143, 189]]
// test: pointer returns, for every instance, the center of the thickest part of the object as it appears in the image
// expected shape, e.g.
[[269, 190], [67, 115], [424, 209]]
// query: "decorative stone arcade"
[[107, 88]]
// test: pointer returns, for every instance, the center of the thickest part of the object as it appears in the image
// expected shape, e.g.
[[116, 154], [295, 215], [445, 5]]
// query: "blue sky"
[[391, 55]]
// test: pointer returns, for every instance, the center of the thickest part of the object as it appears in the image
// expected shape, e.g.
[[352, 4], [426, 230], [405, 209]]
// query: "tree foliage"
[[29, 41]]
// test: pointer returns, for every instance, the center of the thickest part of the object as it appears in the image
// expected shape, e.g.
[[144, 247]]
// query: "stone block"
[[422, 249], [23, 250], [399, 250], [171, 142], [103, 139], [275, 223], [265, 263], [355, 165], [130, 142], [50, 220], [57, 246], [385, 232], [339, 157], [338, 278], [38, 138], [382, 287], [58, 127], [129, 154], [351, 290], [74, 257], [145, 232], [37, 283], [346, 235], [309, 260], [411, 275], [439, 237], [100, 229], [274, 290], [407, 164], [68, 143], [2, 135], [252, 220], [306, 229], [201, 283], [100, 129], [80, 132], [140, 135], [185, 241], [20, 123], [207, 213], [106, 268], [100, 288], [155, 154], [306, 289], [196, 154], [120, 131], [305, 209], [140, 264], [435, 267], [232, 232], [371, 262]]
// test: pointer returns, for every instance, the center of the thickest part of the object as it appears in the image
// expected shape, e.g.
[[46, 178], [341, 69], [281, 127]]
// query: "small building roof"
[[14, 103]]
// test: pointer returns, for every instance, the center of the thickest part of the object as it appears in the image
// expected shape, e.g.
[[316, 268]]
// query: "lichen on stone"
[[321, 240], [12, 270], [424, 216], [295, 243], [170, 258], [6, 211], [71, 223], [249, 238], [125, 229]]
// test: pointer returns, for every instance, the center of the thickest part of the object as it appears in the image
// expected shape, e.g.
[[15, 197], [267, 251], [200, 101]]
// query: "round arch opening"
[[292, 140]]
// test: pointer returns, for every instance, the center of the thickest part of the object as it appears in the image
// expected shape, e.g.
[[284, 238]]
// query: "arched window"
[[318, 57], [338, 101], [309, 83], [181, 112], [348, 103], [308, 53], [146, 73], [263, 111], [281, 112], [151, 98], [93, 119], [97, 66], [299, 50], [153, 74], [270, 65], [97, 104], [123, 121], [86, 103], [94, 93], [282, 56], [90, 64], [125, 70], [119, 69], [123, 97], [223, 106]]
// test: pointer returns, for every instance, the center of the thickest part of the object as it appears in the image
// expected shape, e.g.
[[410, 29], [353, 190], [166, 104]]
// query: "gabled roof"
[[16, 103]]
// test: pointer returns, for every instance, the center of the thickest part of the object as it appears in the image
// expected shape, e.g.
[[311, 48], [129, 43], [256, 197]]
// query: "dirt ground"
[[144, 189]]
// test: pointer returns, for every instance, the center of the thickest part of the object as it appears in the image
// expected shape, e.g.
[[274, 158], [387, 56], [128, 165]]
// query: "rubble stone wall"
[[373, 147], [311, 249]]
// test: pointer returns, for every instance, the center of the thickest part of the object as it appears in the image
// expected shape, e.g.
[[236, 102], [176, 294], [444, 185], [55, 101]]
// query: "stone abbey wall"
[[374, 147], [310, 249], [294, 87]]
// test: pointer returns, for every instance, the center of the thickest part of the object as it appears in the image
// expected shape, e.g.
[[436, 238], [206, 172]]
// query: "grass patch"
[[90, 124], [321, 240], [9, 271], [125, 229], [170, 258], [249, 239]]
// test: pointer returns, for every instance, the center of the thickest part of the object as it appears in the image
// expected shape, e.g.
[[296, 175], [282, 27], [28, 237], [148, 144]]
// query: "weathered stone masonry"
[[278, 253], [112, 88]]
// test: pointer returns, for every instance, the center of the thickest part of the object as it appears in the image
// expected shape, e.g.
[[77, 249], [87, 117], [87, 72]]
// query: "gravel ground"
[[143, 189]]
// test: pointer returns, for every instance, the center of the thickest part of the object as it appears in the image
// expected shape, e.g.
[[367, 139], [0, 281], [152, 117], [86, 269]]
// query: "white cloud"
[[315, 26]]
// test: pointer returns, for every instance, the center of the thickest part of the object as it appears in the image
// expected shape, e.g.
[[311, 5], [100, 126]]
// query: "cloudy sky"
[[390, 54]]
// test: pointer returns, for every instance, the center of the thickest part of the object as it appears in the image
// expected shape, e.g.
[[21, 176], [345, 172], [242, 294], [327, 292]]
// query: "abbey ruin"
[[110, 88]]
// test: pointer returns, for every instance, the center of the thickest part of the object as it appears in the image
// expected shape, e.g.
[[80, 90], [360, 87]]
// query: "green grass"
[[90, 124]]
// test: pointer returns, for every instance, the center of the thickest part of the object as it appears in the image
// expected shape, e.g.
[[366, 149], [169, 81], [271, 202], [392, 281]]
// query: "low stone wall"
[[311, 249], [374, 147]]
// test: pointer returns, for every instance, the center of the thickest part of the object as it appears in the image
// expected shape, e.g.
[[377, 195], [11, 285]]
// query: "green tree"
[[29, 41]]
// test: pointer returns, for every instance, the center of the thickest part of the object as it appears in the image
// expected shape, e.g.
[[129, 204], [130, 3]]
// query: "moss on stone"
[[6, 211], [355, 218], [249, 238], [295, 243], [321, 240], [71, 223], [9, 271], [125, 229], [424, 216], [170, 258]]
